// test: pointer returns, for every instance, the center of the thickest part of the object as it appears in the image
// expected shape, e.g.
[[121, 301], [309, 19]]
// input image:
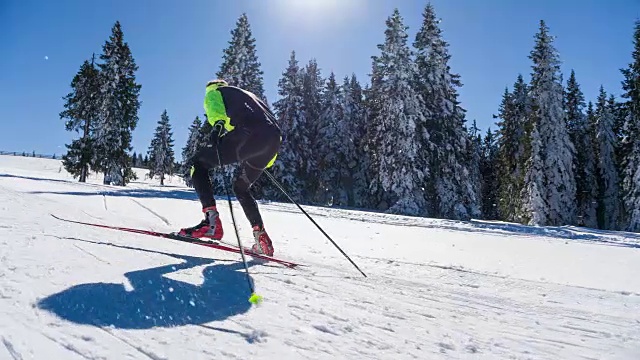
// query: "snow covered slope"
[[435, 289]]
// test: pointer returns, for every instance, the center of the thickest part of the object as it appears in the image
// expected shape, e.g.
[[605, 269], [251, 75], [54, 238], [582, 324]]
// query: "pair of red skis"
[[173, 236]]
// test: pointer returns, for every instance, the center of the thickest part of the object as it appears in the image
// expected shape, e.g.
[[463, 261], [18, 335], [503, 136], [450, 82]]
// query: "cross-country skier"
[[243, 131]]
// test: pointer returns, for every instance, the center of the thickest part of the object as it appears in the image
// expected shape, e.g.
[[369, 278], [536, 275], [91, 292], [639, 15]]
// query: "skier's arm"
[[215, 110]]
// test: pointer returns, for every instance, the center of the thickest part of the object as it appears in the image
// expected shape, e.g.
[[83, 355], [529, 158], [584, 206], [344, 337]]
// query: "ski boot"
[[210, 227], [263, 243]]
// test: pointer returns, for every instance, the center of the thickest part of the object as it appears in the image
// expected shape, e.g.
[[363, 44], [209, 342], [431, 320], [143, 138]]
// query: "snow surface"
[[435, 289]]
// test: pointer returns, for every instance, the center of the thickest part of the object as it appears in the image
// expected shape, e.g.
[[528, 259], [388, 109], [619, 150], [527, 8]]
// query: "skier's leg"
[[257, 153], [261, 146], [241, 187], [207, 158], [204, 160]]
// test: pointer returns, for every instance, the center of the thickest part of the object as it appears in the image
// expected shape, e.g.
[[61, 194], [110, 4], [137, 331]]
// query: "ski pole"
[[276, 183], [254, 298]]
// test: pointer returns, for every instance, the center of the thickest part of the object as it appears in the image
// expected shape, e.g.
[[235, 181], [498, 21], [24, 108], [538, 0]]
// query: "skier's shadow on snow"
[[155, 300]]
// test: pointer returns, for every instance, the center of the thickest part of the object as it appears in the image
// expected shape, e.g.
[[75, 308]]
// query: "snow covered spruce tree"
[[475, 156], [512, 151], [82, 107], [475, 150], [474, 159], [288, 109], [118, 111], [161, 155], [312, 87], [340, 130], [489, 175], [352, 130], [607, 171], [134, 159], [535, 203], [584, 161], [240, 67], [619, 113], [195, 140], [630, 144], [397, 135], [329, 153], [550, 188], [140, 161], [454, 186]]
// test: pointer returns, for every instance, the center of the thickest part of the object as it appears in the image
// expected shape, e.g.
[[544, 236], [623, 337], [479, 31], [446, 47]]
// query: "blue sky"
[[178, 47]]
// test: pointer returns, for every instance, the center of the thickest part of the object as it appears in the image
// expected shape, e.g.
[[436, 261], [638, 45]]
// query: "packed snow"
[[436, 289]]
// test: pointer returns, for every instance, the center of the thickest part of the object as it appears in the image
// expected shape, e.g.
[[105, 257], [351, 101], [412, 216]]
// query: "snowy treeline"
[[561, 161], [401, 143]]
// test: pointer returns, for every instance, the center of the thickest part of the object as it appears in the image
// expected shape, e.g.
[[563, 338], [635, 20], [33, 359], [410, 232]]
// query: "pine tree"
[[240, 66], [584, 161], [489, 175], [630, 144], [512, 150], [161, 155], [474, 163], [549, 170], [288, 168], [140, 161], [195, 141], [535, 201], [474, 156], [592, 121], [312, 86], [352, 131], [81, 110], [134, 159], [453, 181], [608, 179], [474, 135], [619, 113], [289, 105], [118, 111], [397, 134], [330, 152]]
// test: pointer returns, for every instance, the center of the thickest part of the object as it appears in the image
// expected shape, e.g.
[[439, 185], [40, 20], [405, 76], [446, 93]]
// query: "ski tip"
[[255, 299]]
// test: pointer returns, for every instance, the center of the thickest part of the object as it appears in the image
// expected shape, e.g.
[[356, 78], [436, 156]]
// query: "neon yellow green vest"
[[216, 111]]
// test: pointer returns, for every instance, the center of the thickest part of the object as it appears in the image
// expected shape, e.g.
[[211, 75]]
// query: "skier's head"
[[217, 82]]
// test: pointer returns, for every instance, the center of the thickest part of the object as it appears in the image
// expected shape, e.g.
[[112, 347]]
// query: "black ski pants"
[[253, 148]]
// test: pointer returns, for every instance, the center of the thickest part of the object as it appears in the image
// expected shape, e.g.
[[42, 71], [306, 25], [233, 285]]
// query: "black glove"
[[216, 132]]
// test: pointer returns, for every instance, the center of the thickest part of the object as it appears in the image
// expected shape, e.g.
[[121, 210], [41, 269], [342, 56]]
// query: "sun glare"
[[313, 5], [306, 10]]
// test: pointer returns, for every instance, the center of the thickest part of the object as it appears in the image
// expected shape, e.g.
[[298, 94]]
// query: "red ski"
[[173, 236]]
